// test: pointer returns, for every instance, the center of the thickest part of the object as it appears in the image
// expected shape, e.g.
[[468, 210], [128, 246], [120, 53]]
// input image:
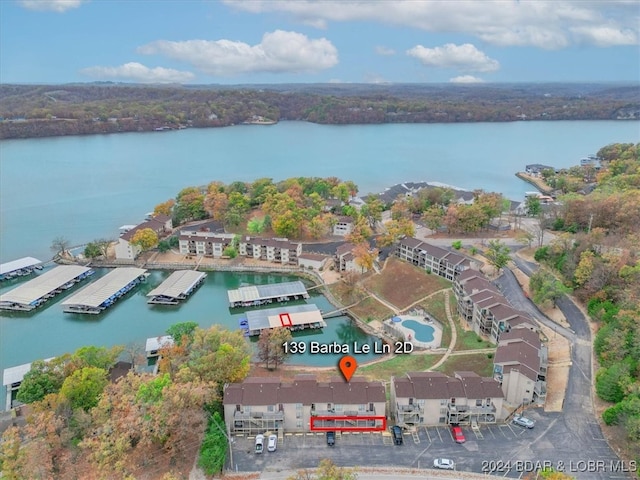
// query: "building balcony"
[[409, 408], [259, 415], [472, 409]]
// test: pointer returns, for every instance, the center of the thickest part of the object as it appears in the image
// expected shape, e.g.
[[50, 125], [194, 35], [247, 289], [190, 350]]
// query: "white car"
[[272, 443], [444, 464], [259, 443], [523, 421]]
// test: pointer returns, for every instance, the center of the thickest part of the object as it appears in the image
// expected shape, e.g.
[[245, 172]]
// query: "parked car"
[[444, 464], [331, 438], [523, 421], [272, 443], [458, 436], [259, 443], [396, 431]]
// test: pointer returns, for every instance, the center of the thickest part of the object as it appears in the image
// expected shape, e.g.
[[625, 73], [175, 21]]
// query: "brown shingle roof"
[[519, 353]]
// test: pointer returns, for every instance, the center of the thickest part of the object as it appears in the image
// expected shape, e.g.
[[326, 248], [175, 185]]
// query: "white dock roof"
[[98, 292], [16, 374], [289, 316], [18, 264], [29, 292], [156, 343], [177, 284], [260, 292]]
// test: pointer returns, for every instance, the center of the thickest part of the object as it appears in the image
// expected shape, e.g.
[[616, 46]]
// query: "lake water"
[[84, 188]]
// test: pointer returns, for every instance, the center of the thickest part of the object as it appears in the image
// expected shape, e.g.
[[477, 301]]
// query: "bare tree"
[[60, 245]]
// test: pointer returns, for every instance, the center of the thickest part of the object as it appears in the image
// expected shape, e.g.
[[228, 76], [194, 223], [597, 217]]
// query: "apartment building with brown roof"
[[274, 250], [259, 404], [520, 366], [432, 258], [433, 398]]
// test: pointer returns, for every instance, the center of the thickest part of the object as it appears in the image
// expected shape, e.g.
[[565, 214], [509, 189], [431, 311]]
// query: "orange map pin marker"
[[348, 366]]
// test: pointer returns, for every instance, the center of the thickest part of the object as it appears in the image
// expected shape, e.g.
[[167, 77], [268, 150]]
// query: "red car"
[[458, 436]]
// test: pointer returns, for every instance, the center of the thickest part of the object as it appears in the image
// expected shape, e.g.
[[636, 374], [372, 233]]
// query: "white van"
[[272, 443], [259, 443]]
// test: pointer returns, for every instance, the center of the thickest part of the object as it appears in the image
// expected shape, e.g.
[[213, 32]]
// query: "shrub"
[[541, 254], [457, 244]]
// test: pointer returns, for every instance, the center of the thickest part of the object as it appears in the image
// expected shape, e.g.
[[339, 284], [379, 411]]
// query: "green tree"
[[180, 330], [146, 238], [42, 379], [92, 250], [546, 287], [612, 382], [498, 254], [83, 387], [213, 450], [92, 356], [534, 207]]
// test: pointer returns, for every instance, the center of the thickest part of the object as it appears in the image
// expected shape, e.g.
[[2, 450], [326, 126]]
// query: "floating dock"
[[19, 267], [105, 291], [255, 295], [294, 317], [39, 290], [12, 378], [177, 287]]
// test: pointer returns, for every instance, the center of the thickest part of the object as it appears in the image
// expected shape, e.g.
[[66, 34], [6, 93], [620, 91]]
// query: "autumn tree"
[[189, 205], [60, 245], [12, 461], [326, 470], [364, 256], [396, 229], [270, 346], [164, 208], [433, 217], [372, 211], [146, 238]]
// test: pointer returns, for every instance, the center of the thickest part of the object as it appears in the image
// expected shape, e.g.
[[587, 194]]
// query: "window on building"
[[338, 407], [271, 408], [478, 403], [361, 407], [298, 423], [237, 408]]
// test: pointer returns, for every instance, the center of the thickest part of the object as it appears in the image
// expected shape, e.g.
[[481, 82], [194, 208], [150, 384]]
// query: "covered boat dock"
[[255, 295], [105, 291], [12, 378], [39, 290], [177, 287], [294, 317], [154, 344], [19, 267]]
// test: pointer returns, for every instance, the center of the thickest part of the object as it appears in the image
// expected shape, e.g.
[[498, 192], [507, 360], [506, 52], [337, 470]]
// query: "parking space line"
[[438, 431], [428, 436], [491, 432], [501, 428]]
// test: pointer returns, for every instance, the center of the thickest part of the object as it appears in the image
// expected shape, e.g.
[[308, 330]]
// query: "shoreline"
[[536, 182]]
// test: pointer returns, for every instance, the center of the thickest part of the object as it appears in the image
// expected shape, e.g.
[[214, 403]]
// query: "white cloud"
[[466, 79], [465, 57], [51, 5], [605, 36], [137, 72], [278, 52], [548, 25], [385, 51]]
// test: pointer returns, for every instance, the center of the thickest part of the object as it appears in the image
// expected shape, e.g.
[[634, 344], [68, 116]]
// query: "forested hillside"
[[598, 254], [49, 110]]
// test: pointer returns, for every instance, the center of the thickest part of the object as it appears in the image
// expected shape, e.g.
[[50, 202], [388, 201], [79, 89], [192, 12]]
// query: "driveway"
[[506, 450]]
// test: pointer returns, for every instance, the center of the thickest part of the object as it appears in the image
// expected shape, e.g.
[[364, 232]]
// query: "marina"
[[20, 267], [256, 295], [178, 287], [104, 292], [295, 318], [36, 292]]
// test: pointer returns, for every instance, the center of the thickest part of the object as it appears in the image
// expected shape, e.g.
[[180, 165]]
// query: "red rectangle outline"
[[382, 428], [286, 316]]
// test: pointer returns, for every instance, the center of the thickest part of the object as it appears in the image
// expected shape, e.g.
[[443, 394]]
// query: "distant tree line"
[[46, 110]]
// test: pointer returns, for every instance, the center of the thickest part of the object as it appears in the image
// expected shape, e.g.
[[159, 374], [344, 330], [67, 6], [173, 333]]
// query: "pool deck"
[[409, 334]]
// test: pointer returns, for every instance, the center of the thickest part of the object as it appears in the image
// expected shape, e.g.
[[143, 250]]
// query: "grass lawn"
[[371, 309], [399, 365], [402, 284], [479, 363], [469, 340], [435, 307]]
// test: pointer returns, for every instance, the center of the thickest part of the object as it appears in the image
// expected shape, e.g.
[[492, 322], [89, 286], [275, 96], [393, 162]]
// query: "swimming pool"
[[422, 332]]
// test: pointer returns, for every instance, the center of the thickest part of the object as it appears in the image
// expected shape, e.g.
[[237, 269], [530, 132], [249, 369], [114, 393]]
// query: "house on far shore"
[[343, 226], [125, 250], [536, 169]]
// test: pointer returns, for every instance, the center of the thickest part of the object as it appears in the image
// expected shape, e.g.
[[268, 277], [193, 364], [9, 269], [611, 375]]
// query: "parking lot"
[[506, 450]]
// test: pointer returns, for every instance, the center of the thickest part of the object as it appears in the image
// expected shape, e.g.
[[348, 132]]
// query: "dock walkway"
[[177, 287]]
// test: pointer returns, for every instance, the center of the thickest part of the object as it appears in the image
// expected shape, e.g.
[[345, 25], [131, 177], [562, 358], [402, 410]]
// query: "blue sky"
[[307, 41]]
